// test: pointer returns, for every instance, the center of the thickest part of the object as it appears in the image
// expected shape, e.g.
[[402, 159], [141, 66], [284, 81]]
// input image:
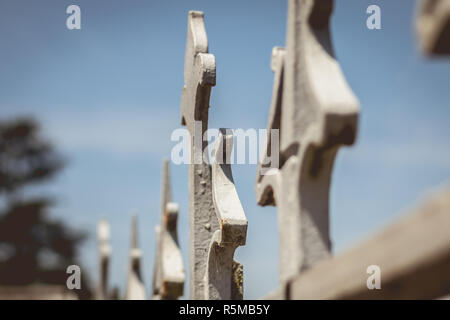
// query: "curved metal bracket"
[[223, 277]]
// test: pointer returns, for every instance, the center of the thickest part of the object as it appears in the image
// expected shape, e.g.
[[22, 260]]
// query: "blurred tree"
[[33, 247]]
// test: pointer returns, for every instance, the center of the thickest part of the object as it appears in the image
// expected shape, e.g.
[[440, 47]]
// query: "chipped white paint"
[[169, 276], [135, 286], [199, 77], [316, 113], [220, 279]]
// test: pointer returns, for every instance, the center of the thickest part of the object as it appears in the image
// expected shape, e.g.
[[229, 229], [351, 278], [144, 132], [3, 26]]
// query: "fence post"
[[316, 112], [104, 259], [168, 276], [224, 276], [433, 26], [199, 77], [135, 287]]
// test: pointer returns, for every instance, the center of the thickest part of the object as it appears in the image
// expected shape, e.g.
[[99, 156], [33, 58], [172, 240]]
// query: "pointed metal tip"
[[103, 230], [165, 166], [166, 193], [134, 231]]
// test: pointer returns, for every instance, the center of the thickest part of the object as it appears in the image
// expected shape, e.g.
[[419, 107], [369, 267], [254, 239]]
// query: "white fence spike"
[[316, 112], [220, 280], [103, 233], [135, 287], [199, 77], [169, 276]]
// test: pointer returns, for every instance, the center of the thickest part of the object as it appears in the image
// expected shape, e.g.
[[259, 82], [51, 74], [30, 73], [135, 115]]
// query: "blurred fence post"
[[433, 26], [135, 288], [104, 259], [316, 112], [168, 276]]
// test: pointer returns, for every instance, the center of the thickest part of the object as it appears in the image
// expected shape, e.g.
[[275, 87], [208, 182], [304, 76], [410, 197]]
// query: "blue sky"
[[108, 96]]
